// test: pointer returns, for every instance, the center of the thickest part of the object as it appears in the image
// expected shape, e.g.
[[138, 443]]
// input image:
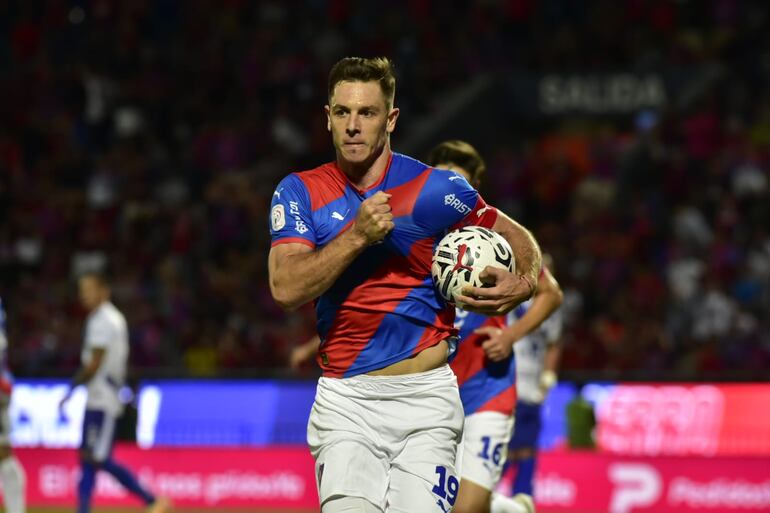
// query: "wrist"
[[548, 379], [531, 284], [357, 239]]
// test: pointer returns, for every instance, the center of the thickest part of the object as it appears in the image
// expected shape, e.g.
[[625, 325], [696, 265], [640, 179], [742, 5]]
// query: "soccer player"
[[487, 370], [357, 236], [104, 364], [537, 358], [11, 472]]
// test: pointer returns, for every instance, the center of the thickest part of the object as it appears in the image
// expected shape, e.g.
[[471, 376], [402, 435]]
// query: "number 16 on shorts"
[[496, 453], [446, 488]]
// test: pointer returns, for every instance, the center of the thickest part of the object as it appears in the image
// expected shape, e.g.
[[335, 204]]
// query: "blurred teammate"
[[487, 370], [11, 472], [104, 364], [357, 236], [537, 358]]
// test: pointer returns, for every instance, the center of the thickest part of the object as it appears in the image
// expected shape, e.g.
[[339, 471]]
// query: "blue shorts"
[[98, 434], [526, 428]]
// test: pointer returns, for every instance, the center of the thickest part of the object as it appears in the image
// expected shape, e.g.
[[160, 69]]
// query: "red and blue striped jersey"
[[484, 385], [384, 307]]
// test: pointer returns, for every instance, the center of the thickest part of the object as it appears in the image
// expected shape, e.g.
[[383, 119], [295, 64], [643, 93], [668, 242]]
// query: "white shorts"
[[391, 440], [484, 447]]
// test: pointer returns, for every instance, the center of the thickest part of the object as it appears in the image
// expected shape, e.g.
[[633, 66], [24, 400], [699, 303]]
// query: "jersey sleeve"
[[290, 214], [449, 202], [552, 327], [99, 332]]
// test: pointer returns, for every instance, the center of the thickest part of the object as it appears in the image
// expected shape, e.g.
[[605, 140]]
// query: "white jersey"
[[106, 328], [530, 354]]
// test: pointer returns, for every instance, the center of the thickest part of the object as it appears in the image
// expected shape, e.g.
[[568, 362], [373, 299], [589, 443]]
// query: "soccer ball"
[[462, 254]]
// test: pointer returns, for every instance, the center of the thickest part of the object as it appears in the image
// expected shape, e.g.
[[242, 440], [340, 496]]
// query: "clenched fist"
[[375, 219]]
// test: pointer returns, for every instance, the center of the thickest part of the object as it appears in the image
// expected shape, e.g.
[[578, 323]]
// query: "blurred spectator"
[[149, 136]]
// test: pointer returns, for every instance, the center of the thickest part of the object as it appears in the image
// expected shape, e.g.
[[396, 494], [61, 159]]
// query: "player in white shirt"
[[11, 472], [104, 361], [537, 357]]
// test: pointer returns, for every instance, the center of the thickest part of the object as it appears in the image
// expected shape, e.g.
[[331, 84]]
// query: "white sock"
[[14, 484], [502, 504]]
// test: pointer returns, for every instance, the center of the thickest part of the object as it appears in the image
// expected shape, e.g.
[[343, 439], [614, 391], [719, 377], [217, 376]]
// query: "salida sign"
[[619, 93]]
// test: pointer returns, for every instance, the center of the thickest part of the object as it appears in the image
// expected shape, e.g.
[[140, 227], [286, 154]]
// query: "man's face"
[[92, 292], [359, 121]]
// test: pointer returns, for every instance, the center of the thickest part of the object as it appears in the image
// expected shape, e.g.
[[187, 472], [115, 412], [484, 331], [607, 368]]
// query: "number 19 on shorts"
[[446, 488]]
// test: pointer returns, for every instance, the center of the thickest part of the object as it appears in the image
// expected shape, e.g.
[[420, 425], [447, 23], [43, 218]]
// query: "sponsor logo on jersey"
[[454, 202], [278, 217], [299, 224]]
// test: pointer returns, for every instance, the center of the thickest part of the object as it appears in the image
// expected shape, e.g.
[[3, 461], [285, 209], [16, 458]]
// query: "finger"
[[488, 298], [489, 345], [380, 208], [379, 198], [488, 330], [493, 272], [486, 293], [473, 305]]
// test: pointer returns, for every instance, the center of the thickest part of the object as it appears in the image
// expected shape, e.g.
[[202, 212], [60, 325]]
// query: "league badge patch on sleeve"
[[278, 217]]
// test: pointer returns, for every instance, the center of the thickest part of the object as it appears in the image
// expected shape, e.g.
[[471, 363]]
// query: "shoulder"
[[312, 186], [107, 315]]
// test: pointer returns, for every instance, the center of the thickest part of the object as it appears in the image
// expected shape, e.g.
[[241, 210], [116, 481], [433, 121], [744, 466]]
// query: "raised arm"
[[547, 299], [299, 274]]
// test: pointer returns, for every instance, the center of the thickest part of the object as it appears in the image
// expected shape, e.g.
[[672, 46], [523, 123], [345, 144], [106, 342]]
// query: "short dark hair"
[[361, 69], [461, 154]]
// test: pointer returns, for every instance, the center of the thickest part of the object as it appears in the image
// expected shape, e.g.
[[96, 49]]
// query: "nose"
[[352, 128]]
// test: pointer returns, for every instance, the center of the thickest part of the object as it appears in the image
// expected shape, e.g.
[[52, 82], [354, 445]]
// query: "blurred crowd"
[[147, 136]]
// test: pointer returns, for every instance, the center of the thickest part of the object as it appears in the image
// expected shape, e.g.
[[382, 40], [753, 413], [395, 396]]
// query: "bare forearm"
[[525, 247], [83, 375], [543, 305], [552, 355], [302, 277]]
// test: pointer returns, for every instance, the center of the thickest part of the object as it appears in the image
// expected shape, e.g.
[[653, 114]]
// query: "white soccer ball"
[[462, 254]]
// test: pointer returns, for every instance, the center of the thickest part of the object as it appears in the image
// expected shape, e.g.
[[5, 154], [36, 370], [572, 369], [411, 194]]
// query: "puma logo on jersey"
[[337, 215], [455, 177]]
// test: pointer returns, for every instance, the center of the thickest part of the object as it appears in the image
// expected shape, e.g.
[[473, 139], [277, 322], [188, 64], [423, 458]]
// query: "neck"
[[365, 174]]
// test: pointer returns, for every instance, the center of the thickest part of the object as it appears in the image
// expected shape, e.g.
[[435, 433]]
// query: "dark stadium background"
[[631, 136]]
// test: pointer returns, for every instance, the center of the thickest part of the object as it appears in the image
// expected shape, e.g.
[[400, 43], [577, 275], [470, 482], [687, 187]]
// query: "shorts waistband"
[[365, 381]]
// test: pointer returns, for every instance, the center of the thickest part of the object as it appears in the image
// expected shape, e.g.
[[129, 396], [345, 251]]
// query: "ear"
[[328, 112], [392, 117]]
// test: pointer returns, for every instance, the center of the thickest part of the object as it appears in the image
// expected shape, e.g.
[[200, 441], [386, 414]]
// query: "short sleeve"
[[449, 202], [291, 214], [99, 332], [552, 327]]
